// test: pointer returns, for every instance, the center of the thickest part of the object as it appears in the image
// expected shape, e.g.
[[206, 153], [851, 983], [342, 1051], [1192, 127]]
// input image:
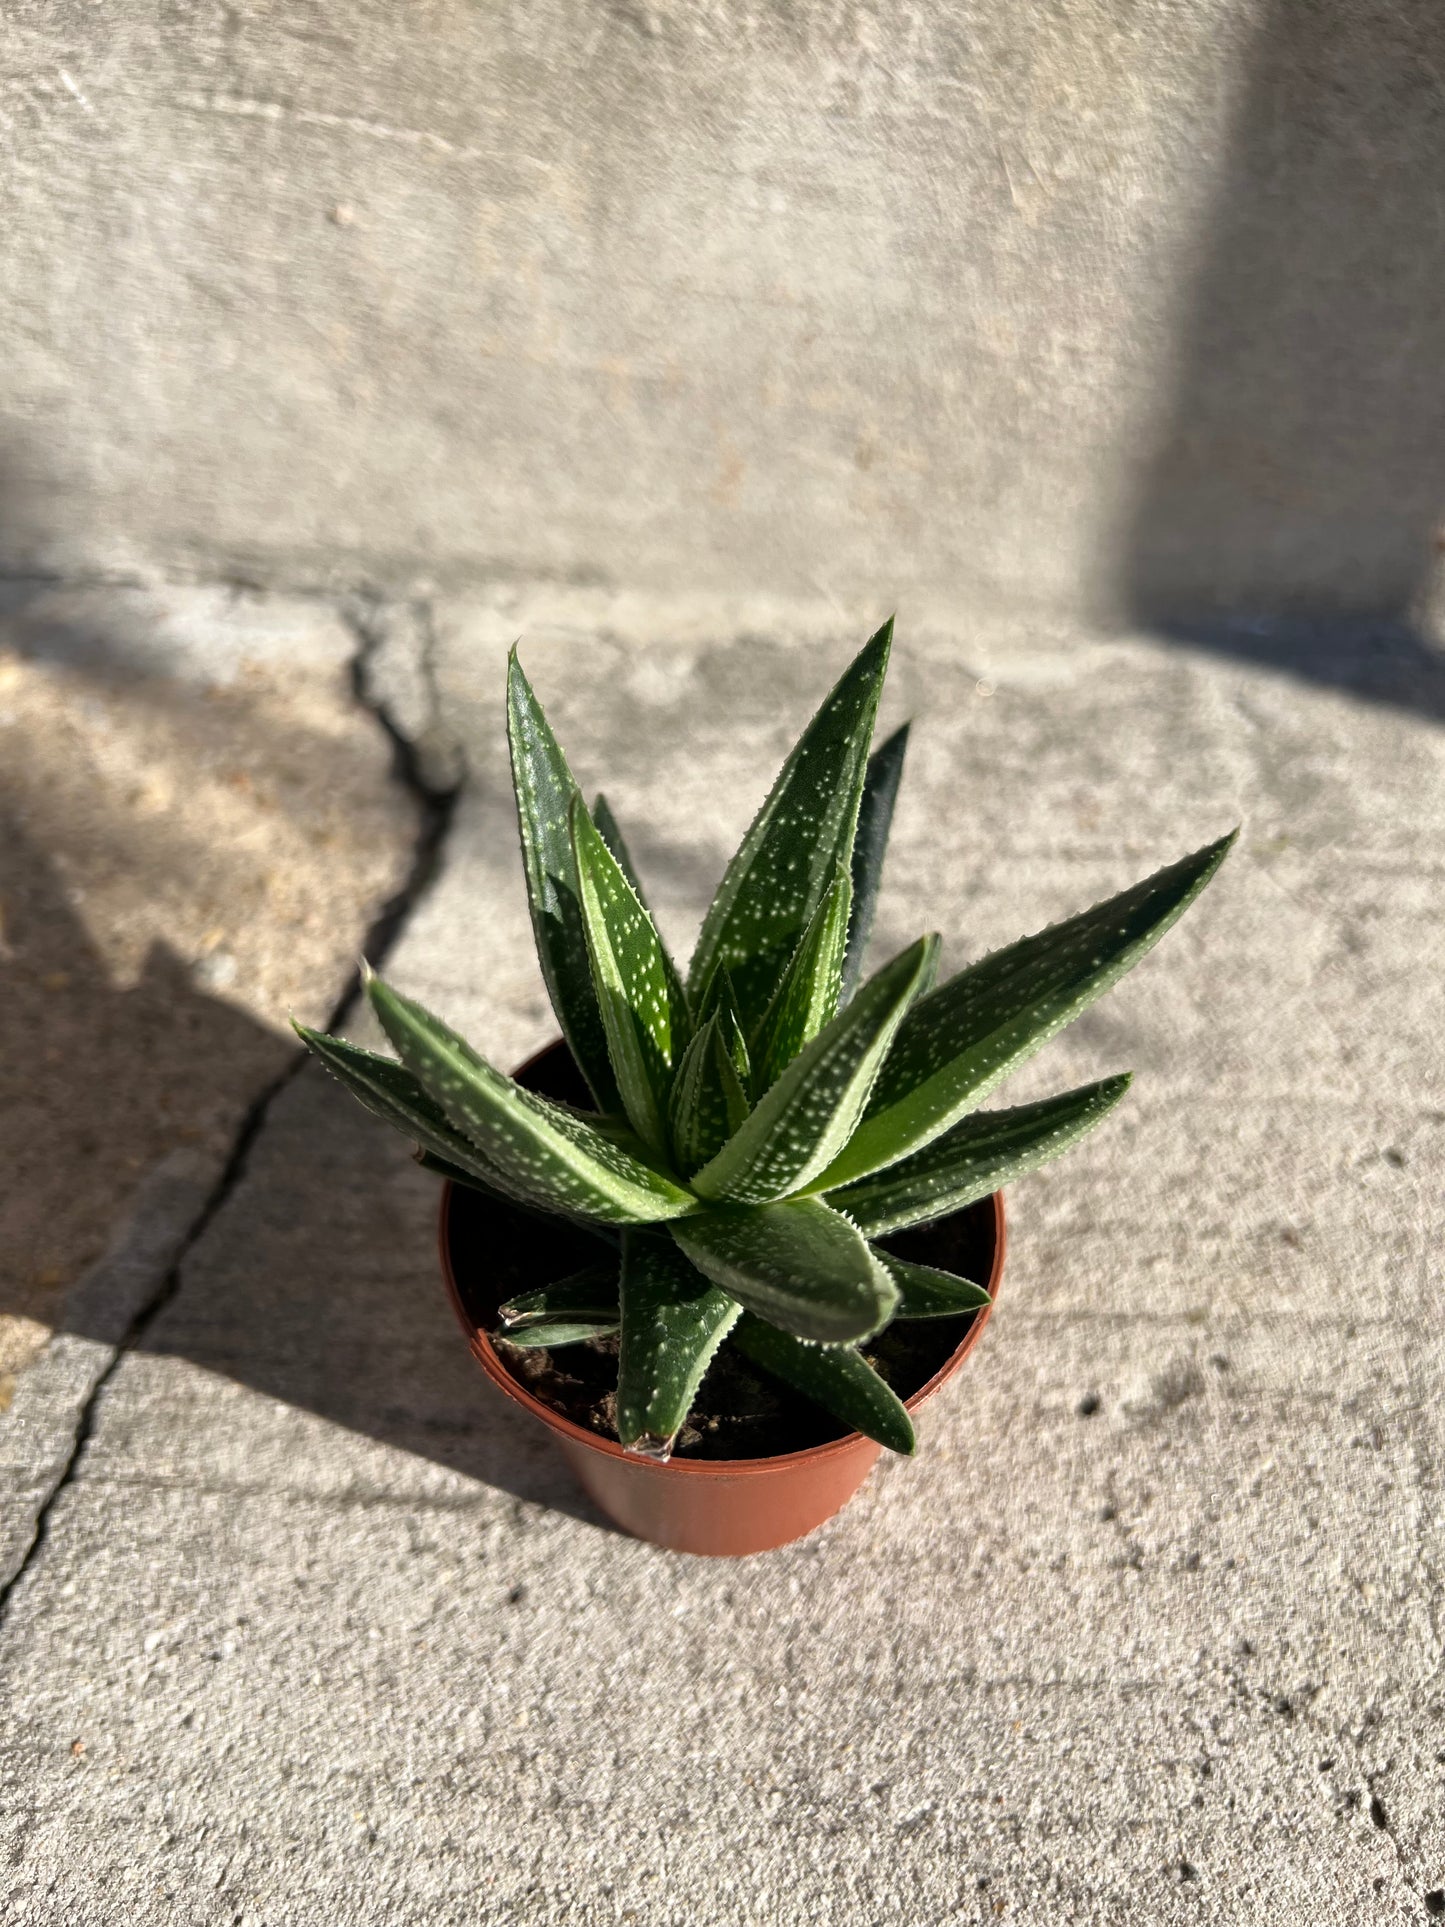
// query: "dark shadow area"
[[317, 1283], [1291, 513]]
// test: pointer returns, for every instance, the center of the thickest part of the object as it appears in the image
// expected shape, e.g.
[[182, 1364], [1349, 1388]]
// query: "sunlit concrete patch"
[[201, 820]]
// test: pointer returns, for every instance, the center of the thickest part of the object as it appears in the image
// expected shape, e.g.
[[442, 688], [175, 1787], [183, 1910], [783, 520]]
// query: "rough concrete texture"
[[199, 825], [1065, 305], [317, 1630]]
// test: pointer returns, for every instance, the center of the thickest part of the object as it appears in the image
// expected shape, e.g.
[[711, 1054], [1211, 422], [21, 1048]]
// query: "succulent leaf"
[[957, 1044], [708, 1100], [837, 1378], [807, 998], [930, 1293], [549, 1151], [633, 984], [566, 1331], [545, 787], [389, 1091], [804, 829], [591, 1293], [718, 1001], [802, 1124], [976, 1157], [610, 830], [798, 1264], [673, 1320], [870, 844]]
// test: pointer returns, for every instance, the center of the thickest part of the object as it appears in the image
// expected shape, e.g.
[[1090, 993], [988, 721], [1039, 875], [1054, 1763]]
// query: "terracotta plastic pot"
[[719, 1507]]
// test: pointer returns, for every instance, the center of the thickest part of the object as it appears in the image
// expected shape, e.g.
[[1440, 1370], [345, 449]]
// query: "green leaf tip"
[[673, 1321], [979, 1155], [803, 830], [545, 787], [964, 1038], [927, 1292]]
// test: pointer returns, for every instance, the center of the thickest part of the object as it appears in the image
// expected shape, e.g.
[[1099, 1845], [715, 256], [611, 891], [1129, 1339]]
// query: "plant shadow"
[[316, 1281]]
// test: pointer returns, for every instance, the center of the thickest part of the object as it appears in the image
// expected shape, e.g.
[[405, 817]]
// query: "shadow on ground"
[[316, 1282], [1291, 513]]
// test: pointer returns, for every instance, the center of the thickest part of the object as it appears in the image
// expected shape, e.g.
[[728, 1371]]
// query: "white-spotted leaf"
[[802, 832], [807, 998], [835, 1377], [978, 1156], [545, 788], [957, 1044], [642, 1016], [673, 1320], [548, 1150], [801, 1125], [870, 845], [798, 1264]]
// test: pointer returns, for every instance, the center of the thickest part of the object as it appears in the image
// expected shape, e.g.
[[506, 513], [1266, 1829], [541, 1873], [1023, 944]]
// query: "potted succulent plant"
[[730, 1231]]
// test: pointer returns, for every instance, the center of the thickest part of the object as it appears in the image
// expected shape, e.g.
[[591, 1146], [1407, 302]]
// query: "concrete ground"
[[305, 1625], [198, 824]]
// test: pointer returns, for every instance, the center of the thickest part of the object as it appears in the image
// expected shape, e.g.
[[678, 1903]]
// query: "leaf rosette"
[[765, 1118]]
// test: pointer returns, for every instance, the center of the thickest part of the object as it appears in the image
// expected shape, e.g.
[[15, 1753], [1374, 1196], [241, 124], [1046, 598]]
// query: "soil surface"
[[499, 1250]]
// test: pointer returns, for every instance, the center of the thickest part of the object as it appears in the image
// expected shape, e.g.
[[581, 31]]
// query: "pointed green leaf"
[[975, 1158], [389, 1091], [550, 1151], [708, 1100], [589, 1293], [632, 982], [545, 788], [957, 1044], [797, 1264], [835, 1377], [804, 829], [875, 820], [566, 1331], [807, 998], [609, 829], [497, 1187], [718, 1001], [929, 1293], [673, 1320], [805, 1120], [717, 995]]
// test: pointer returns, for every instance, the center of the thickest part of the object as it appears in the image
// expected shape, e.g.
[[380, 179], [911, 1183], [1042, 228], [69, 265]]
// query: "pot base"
[[739, 1506]]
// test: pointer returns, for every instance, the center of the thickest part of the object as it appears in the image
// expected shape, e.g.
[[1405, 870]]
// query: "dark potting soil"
[[499, 1250]]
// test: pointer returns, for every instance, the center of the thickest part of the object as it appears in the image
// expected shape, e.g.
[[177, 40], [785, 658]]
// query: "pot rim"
[[487, 1356]]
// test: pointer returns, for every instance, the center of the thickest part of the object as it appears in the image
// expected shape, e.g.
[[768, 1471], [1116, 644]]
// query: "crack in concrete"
[[436, 805]]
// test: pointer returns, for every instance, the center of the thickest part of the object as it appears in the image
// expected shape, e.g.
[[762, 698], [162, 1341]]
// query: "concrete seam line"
[[91, 1364]]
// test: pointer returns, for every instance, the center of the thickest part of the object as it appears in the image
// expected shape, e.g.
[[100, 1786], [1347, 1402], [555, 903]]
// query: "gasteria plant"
[[760, 1124]]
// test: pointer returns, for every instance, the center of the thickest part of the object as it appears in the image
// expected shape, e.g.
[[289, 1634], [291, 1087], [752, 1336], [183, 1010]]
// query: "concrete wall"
[[1119, 305]]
